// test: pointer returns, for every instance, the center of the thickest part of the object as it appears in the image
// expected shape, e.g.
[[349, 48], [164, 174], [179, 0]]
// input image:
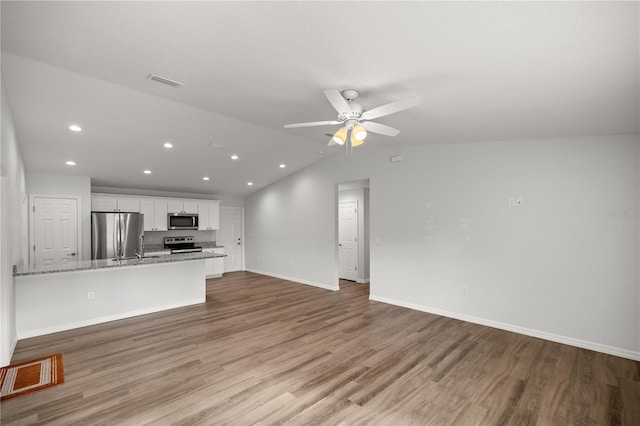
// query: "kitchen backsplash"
[[157, 237]]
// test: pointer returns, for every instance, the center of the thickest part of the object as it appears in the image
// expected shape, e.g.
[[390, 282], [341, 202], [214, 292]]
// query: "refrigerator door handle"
[[116, 236], [119, 233]]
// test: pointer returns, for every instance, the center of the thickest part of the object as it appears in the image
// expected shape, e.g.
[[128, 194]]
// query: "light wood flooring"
[[267, 351]]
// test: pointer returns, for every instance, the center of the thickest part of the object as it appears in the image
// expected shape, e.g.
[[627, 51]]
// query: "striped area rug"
[[30, 376]]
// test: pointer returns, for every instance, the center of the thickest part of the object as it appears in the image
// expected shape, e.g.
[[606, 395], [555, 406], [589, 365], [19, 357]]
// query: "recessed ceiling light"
[[250, 183], [168, 145], [205, 178], [70, 163], [75, 128], [234, 157], [147, 172], [282, 166]]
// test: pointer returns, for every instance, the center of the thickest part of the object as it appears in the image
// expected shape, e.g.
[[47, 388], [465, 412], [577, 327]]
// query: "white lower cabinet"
[[214, 267]]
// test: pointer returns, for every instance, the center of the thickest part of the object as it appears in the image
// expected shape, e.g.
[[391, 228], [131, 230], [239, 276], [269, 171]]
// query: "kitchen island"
[[52, 298]]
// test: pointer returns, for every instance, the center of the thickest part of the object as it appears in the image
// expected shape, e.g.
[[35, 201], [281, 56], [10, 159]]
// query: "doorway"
[[353, 230], [230, 235], [55, 230], [348, 240]]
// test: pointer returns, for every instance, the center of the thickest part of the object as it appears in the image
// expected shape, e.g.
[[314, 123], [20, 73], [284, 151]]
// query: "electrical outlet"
[[465, 290], [91, 295]]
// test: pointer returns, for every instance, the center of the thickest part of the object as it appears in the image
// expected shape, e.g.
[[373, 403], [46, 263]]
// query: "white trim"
[[362, 280], [297, 280], [12, 349], [611, 350], [32, 223], [108, 318]]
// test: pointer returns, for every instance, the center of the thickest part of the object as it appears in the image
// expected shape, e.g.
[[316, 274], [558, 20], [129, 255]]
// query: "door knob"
[[72, 254]]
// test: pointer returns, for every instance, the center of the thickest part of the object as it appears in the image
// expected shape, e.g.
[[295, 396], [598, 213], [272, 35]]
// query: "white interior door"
[[55, 230], [230, 236], [348, 240]]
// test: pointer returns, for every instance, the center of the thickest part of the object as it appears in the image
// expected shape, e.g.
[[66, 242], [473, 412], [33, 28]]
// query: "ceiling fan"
[[355, 120]]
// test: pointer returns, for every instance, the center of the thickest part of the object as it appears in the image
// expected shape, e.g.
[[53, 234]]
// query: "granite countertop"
[[208, 244], [19, 270]]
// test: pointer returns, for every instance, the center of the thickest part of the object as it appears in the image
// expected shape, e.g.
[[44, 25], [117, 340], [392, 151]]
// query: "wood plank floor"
[[266, 351]]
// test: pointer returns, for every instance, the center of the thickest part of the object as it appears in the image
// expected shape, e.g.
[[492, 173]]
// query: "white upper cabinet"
[[155, 209], [182, 206], [209, 215], [114, 204], [155, 214]]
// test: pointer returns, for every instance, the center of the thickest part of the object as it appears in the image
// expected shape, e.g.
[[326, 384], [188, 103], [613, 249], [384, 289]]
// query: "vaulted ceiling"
[[484, 71]]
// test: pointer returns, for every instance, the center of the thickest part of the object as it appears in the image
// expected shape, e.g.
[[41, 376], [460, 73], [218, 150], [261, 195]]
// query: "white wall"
[[358, 195], [12, 226], [563, 267], [54, 184]]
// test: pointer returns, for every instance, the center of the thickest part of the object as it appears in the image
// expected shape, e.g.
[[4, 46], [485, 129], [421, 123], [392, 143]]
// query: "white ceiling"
[[484, 70]]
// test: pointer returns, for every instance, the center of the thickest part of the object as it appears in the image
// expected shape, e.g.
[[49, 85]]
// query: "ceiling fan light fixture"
[[355, 142], [358, 133], [340, 137]]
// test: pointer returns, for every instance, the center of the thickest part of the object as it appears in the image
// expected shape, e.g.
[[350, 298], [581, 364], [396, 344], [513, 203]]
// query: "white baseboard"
[[362, 280], [297, 280], [611, 350], [100, 320]]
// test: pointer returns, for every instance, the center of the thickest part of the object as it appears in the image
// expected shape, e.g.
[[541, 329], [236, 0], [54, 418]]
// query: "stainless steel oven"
[[180, 245], [182, 221]]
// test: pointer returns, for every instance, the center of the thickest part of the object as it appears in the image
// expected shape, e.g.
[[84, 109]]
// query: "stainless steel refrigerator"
[[117, 235]]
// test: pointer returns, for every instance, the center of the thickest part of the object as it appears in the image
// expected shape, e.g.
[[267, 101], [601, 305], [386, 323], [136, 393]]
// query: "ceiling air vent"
[[164, 80]]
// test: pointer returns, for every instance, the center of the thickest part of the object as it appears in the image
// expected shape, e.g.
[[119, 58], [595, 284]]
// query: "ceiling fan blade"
[[391, 108], [338, 102], [312, 123], [382, 129]]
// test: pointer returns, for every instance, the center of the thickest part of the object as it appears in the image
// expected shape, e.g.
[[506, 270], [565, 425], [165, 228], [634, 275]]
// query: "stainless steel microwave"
[[182, 221]]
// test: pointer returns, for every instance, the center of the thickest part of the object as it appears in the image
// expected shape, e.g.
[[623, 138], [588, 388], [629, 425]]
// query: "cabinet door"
[[190, 206], [174, 206], [218, 263], [147, 209], [203, 216], [209, 265], [160, 215], [103, 204], [214, 215], [129, 205]]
